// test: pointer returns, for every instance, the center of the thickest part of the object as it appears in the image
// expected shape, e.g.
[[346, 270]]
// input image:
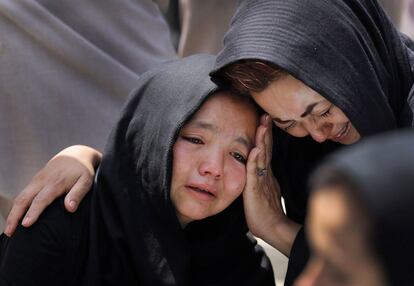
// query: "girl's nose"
[[212, 164]]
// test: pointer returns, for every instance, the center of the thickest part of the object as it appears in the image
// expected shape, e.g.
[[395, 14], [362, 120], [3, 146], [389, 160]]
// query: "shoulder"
[[42, 254]]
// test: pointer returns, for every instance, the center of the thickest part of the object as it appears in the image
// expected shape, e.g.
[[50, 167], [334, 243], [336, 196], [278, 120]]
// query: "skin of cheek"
[[184, 169], [234, 182]]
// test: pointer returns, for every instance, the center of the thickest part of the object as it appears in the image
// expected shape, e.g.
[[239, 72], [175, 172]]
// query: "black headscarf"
[[381, 170], [346, 50], [135, 236]]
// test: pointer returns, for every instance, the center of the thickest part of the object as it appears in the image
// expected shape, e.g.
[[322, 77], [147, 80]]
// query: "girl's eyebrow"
[[213, 128], [205, 125], [242, 140]]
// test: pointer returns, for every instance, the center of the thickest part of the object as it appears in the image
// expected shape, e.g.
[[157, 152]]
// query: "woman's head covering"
[[382, 171], [135, 236], [348, 51]]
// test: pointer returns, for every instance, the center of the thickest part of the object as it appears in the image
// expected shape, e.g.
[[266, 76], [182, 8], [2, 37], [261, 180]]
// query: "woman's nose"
[[320, 131], [212, 164], [318, 136]]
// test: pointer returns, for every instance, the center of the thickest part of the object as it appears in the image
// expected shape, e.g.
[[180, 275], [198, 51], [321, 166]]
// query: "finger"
[[264, 119], [249, 192], [20, 205], [78, 192], [251, 177], [263, 123], [268, 143], [259, 135], [260, 144], [43, 199]]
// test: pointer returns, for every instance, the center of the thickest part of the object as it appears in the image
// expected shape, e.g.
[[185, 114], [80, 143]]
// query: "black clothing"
[[134, 236], [381, 171], [51, 252], [347, 51]]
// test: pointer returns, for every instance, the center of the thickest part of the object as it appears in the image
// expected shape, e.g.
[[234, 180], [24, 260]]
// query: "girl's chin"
[[185, 218]]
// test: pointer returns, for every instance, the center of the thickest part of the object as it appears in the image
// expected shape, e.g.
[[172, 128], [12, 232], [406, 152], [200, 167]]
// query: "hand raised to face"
[[262, 199]]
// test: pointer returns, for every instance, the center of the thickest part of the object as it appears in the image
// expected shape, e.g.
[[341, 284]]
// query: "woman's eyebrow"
[[310, 108]]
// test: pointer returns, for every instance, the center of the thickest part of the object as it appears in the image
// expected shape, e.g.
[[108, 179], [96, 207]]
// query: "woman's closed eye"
[[291, 125], [327, 112], [239, 157]]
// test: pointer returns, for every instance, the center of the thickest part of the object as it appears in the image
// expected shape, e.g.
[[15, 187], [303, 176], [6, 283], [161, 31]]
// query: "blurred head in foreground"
[[361, 214]]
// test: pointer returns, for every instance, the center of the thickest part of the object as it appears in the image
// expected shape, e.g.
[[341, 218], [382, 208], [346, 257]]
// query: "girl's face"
[[300, 111], [338, 234], [210, 155]]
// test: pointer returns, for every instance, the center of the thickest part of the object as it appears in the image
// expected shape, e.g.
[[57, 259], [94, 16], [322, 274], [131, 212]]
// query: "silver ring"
[[261, 172]]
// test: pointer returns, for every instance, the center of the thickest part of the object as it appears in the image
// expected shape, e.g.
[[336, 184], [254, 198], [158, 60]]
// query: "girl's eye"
[[239, 157], [326, 113], [192, 140]]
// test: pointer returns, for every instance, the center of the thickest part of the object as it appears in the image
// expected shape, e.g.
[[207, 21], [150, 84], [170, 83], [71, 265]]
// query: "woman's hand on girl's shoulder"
[[71, 171]]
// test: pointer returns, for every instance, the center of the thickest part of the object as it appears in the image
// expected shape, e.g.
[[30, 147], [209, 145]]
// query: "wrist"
[[88, 156], [281, 234], [95, 157]]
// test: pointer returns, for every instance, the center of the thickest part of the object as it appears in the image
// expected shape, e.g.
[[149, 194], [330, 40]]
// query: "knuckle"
[[11, 218], [58, 186], [86, 181], [41, 200], [40, 176], [21, 200]]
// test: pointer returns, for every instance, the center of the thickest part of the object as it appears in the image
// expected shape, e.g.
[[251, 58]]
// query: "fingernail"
[[26, 221], [72, 205]]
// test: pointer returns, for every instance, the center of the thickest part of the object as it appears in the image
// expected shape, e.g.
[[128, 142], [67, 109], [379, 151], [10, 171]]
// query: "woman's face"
[[210, 155], [338, 235], [300, 111]]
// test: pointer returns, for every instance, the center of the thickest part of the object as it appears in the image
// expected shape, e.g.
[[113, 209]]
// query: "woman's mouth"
[[342, 133]]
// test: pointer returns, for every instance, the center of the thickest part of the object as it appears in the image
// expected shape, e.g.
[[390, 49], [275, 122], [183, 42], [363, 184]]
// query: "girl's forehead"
[[228, 114], [224, 103]]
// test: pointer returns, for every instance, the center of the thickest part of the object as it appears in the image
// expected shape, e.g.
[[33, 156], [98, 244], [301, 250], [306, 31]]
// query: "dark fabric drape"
[[346, 50]]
